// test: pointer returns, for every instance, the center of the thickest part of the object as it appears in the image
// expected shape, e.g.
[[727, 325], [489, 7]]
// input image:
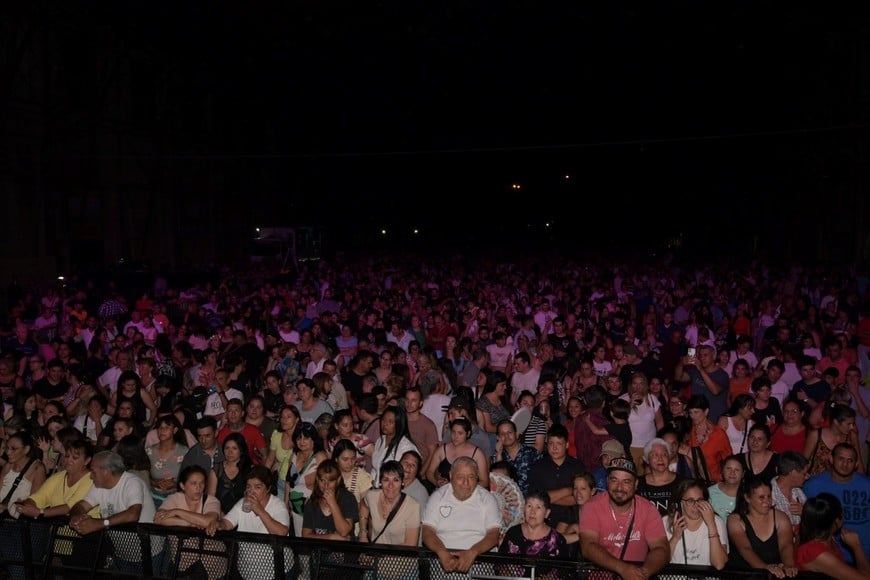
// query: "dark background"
[[720, 127]]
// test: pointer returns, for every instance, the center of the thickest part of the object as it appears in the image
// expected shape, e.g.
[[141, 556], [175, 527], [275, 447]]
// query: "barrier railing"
[[48, 549]]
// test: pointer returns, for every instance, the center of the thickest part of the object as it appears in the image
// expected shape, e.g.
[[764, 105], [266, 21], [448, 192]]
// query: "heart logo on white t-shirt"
[[445, 510]]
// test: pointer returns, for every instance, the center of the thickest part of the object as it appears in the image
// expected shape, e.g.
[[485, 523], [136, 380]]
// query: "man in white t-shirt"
[[525, 376], [108, 381], [266, 514], [500, 353], [219, 396], [400, 336], [123, 498], [462, 520], [318, 354]]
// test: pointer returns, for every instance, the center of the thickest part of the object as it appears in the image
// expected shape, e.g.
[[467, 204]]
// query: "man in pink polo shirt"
[[623, 532]]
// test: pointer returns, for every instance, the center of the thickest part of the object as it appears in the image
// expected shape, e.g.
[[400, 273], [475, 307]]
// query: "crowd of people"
[[632, 415]]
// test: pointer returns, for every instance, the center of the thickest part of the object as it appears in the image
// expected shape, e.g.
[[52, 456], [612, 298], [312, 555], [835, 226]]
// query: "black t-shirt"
[[314, 519], [273, 402], [564, 343], [659, 495], [47, 390], [545, 475], [353, 383]]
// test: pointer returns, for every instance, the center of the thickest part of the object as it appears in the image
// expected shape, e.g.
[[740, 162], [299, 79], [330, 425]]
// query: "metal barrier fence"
[[49, 549]]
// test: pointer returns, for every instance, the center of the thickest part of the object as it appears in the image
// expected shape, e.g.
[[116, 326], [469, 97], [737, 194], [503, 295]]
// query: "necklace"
[[621, 526], [385, 505], [701, 433]]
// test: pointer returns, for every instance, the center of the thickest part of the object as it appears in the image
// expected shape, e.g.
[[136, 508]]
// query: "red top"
[[780, 442], [811, 550], [715, 449]]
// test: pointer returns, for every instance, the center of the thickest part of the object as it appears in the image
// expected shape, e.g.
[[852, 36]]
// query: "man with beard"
[[852, 489], [623, 532]]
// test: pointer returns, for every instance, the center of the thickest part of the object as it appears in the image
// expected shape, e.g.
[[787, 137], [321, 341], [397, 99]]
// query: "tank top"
[[821, 458], [767, 550], [444, 466], [737, 437], [229, 490]]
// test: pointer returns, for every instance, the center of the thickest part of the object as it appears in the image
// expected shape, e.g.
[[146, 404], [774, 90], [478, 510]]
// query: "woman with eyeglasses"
[[697, 536], [677, 407], [791, 434], [385, 366], [21, 454], [34, 370]]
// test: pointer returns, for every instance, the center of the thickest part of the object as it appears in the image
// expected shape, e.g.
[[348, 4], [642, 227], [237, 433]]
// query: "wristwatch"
[[106, 523]]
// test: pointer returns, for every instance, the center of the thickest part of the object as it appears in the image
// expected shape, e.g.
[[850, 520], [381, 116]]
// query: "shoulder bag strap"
[[628, 532], [745, 433], [390, 517], [17, 481], [700, 464]]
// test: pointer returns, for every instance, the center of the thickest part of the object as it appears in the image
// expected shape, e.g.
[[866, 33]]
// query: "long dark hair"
[[819, 517], [309, 431], [740, 401], [171, 420], [244, 453], [132, 450], [401, 430], [680, 490], [341, 446], [749, 485]]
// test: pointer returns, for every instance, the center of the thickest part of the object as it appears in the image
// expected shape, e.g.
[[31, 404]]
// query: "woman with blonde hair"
[[645, 417]]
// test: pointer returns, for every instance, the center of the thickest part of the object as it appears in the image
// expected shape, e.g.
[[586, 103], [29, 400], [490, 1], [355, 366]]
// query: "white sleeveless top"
[[21, 492]]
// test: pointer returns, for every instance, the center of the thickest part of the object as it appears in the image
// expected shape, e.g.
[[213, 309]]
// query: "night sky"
[[367, 115]]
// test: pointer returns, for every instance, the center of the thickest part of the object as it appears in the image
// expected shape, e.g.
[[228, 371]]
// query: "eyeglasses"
[[693, 500]]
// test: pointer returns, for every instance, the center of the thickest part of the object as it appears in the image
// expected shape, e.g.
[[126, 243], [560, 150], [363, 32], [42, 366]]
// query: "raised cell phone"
[[691, 352]]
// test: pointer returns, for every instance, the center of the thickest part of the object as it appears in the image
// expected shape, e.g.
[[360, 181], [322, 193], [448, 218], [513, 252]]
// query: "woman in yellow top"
[[281, 445], [61, 491], [65, 488]]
